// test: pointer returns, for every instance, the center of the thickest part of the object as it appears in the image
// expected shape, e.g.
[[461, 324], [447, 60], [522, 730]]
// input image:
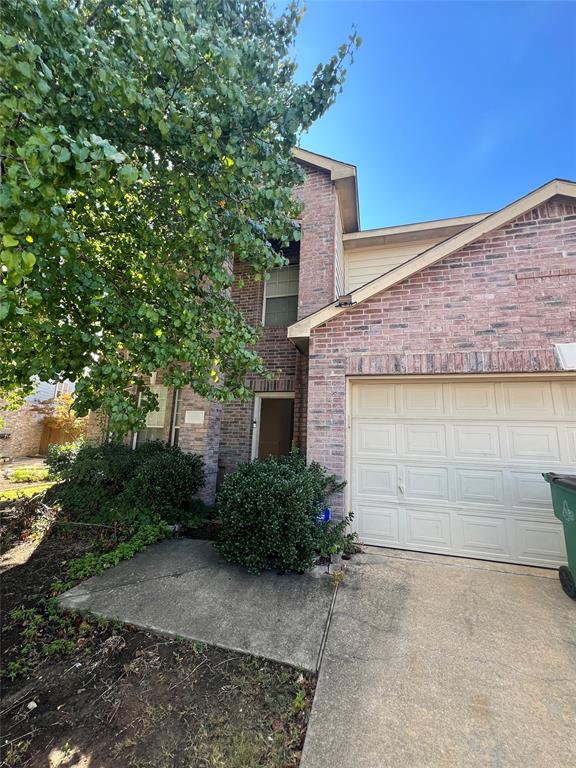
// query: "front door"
[[275, 426]]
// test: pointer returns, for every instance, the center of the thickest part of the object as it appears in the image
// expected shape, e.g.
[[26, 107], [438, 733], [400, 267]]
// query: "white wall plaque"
[[194, 417]]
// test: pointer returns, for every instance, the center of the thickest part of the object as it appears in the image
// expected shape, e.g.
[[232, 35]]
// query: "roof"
[[439, 229], [302, 328], [345, 180]]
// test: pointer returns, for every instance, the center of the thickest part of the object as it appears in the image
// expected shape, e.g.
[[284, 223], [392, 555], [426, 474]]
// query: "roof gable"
[[344, 177], [301, 329]]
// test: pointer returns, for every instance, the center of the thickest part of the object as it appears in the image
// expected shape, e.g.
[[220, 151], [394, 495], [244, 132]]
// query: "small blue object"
[[324, 516]]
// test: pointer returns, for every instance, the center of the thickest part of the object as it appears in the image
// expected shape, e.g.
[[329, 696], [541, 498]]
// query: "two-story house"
[[430, 365]]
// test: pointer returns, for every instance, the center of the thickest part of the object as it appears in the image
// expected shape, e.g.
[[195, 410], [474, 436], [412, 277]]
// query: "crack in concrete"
[[142, 580]]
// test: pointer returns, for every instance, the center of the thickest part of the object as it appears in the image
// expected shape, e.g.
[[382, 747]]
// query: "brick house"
[[23, 432], [430, 365]]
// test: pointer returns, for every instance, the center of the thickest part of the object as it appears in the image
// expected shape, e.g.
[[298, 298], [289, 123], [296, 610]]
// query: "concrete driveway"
[[440, 662]]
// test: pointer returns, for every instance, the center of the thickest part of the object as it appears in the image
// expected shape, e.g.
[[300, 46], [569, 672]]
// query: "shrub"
[[168, 481], [28, 475], [269, 511], [113, 483], [61, 456]]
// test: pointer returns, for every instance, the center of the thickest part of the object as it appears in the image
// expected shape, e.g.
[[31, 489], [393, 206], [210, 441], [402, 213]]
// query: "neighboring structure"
[[426, 364], [22, 432]]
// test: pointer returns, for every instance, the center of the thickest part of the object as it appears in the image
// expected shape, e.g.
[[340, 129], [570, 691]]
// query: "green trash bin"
[[563, 489]]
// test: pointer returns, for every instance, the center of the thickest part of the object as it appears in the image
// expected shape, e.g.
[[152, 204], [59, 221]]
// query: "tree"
[[59, 414], [143, 143]]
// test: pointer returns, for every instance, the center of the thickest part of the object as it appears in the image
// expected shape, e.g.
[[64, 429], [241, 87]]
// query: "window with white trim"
[[281, 297], [175, 432], [155, 420]]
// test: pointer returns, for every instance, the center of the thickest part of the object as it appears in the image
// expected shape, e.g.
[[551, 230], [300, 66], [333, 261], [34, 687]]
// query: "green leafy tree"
[[143, 143]]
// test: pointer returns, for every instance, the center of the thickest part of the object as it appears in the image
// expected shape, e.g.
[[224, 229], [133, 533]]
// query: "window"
[[281, 297], [175, 434], [155, 420]]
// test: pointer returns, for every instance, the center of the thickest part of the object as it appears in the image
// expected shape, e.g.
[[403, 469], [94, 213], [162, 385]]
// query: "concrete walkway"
[[182, 587], [434, 662]]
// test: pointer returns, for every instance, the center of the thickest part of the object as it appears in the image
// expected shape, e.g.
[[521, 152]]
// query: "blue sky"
[[450, 107]]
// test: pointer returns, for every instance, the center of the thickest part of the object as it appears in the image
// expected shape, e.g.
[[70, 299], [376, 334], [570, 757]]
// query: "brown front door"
[[276, 424]]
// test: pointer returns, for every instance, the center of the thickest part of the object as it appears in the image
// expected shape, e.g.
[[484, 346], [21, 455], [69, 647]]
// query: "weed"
[[199, 648], [16, 752], [47, 630], [59, 647], [299, 702], [337, 577]]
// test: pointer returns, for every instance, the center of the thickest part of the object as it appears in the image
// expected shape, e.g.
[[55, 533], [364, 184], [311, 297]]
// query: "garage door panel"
[[455, 466], [529, 489], [422, 400], [571, 444], [479, 486], [424, 440], [474, 401], [567, 393], [533, 443], [376, 479], [379, 523], [428, 529], [523, 399], [483, 535], [374, 438], [426, 483], [539, 542], [374, 400], [476, 441]]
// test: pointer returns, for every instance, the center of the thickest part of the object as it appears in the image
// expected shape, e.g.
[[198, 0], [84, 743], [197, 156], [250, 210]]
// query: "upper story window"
[[281, 297]]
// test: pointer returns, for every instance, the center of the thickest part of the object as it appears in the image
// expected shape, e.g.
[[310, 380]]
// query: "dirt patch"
[[210, 530], [131, 698]]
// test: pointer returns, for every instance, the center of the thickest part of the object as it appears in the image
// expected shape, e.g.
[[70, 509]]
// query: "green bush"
[[61, 455], [269, 511], [168, 481], [28, 475], [113, 483]]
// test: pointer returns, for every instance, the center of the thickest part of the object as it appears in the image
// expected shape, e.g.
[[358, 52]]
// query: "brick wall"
[[203, 439], [318, 243], [97, 427], [319, 229], [20, 432], [498, 305], [281, 359]]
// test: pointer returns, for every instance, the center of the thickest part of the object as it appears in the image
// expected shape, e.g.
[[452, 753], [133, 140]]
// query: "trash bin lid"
[[566, 481]]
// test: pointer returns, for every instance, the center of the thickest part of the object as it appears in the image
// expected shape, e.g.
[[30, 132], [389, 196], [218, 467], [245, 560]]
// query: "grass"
[[29, 475], [20, 493]]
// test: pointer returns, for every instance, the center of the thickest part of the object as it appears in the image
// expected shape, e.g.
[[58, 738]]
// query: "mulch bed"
[[124, 697]]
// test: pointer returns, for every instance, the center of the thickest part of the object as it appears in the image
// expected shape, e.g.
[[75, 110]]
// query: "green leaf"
[[4, 309], [24, 68], [10, 259], [28, 260], [128, 175], [8, 241], [63, 155]]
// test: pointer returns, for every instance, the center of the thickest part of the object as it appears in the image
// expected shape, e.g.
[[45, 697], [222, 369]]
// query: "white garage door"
[[455, 467]]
